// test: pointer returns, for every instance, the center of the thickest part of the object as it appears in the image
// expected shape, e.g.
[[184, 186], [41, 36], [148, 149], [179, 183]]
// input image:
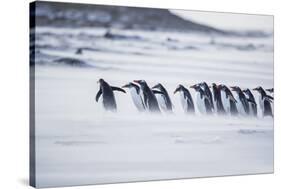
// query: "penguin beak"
[[232, 88], [177, 89], [192, 86], [255, 89], [125, 86], [137, 81]]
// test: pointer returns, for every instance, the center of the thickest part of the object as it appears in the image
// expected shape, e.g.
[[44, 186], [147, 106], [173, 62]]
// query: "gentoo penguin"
[[202, 100], [164, 100], [208, 92], [106, 91], [228, 100], [252, 102], [242, 101], [217, 99], [150, 100], [264, 101], [136, 96], [186, 99]]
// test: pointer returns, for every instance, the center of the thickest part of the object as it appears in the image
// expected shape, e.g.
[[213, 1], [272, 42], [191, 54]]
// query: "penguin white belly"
[[239, 105], [251, 109], [261, 103], [137, 99], [225, 102], [200, 104], [161, 102], [183, 102]]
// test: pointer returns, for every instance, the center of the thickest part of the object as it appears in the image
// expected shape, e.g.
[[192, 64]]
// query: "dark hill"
[[85, 15]]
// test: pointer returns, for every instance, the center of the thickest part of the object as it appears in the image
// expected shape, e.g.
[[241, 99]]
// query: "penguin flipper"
[[118, 89], [98, 95], [269, 97], [251, 101]]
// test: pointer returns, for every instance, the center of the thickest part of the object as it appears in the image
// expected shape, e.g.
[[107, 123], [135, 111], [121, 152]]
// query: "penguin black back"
[[150, 99], [166, 96], [217, 99], [106, 91], [187, 101]]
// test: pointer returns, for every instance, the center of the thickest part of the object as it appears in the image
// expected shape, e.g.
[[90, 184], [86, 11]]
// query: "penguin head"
[[222, 87], [101, 81], [140, 82], [236, 88], [259, 89], [158, 86], [196, 87], [204, 84], [179, 88], [215, 86], [247, 91], [270, 90]]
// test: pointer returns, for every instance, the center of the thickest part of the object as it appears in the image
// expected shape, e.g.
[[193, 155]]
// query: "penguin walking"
[[242, 101], [228, 100], [106, 91], [136, 96], [218, 106], [186, 99], [202, 100], [149, 98], [208, 92], [163, 97], [252, 102], [265, 102]]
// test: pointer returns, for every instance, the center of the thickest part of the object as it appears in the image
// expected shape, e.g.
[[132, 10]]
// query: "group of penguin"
[[214, 99]]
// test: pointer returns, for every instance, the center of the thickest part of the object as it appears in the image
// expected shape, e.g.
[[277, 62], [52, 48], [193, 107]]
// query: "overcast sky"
[[229, 20]]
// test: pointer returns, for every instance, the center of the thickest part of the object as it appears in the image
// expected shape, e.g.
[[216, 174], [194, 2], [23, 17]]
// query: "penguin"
[[136, 96], [242, 101], [106, 91], [149, 98], [228, 100], [207, 91], [252, 102], [218, 106], [203, 101], [164, 100], [186, 99], [264, 101]]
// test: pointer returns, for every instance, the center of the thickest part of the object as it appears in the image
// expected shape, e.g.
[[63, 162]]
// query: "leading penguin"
[[106, 91], [264, 101], [164, 100], [149, 98]]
